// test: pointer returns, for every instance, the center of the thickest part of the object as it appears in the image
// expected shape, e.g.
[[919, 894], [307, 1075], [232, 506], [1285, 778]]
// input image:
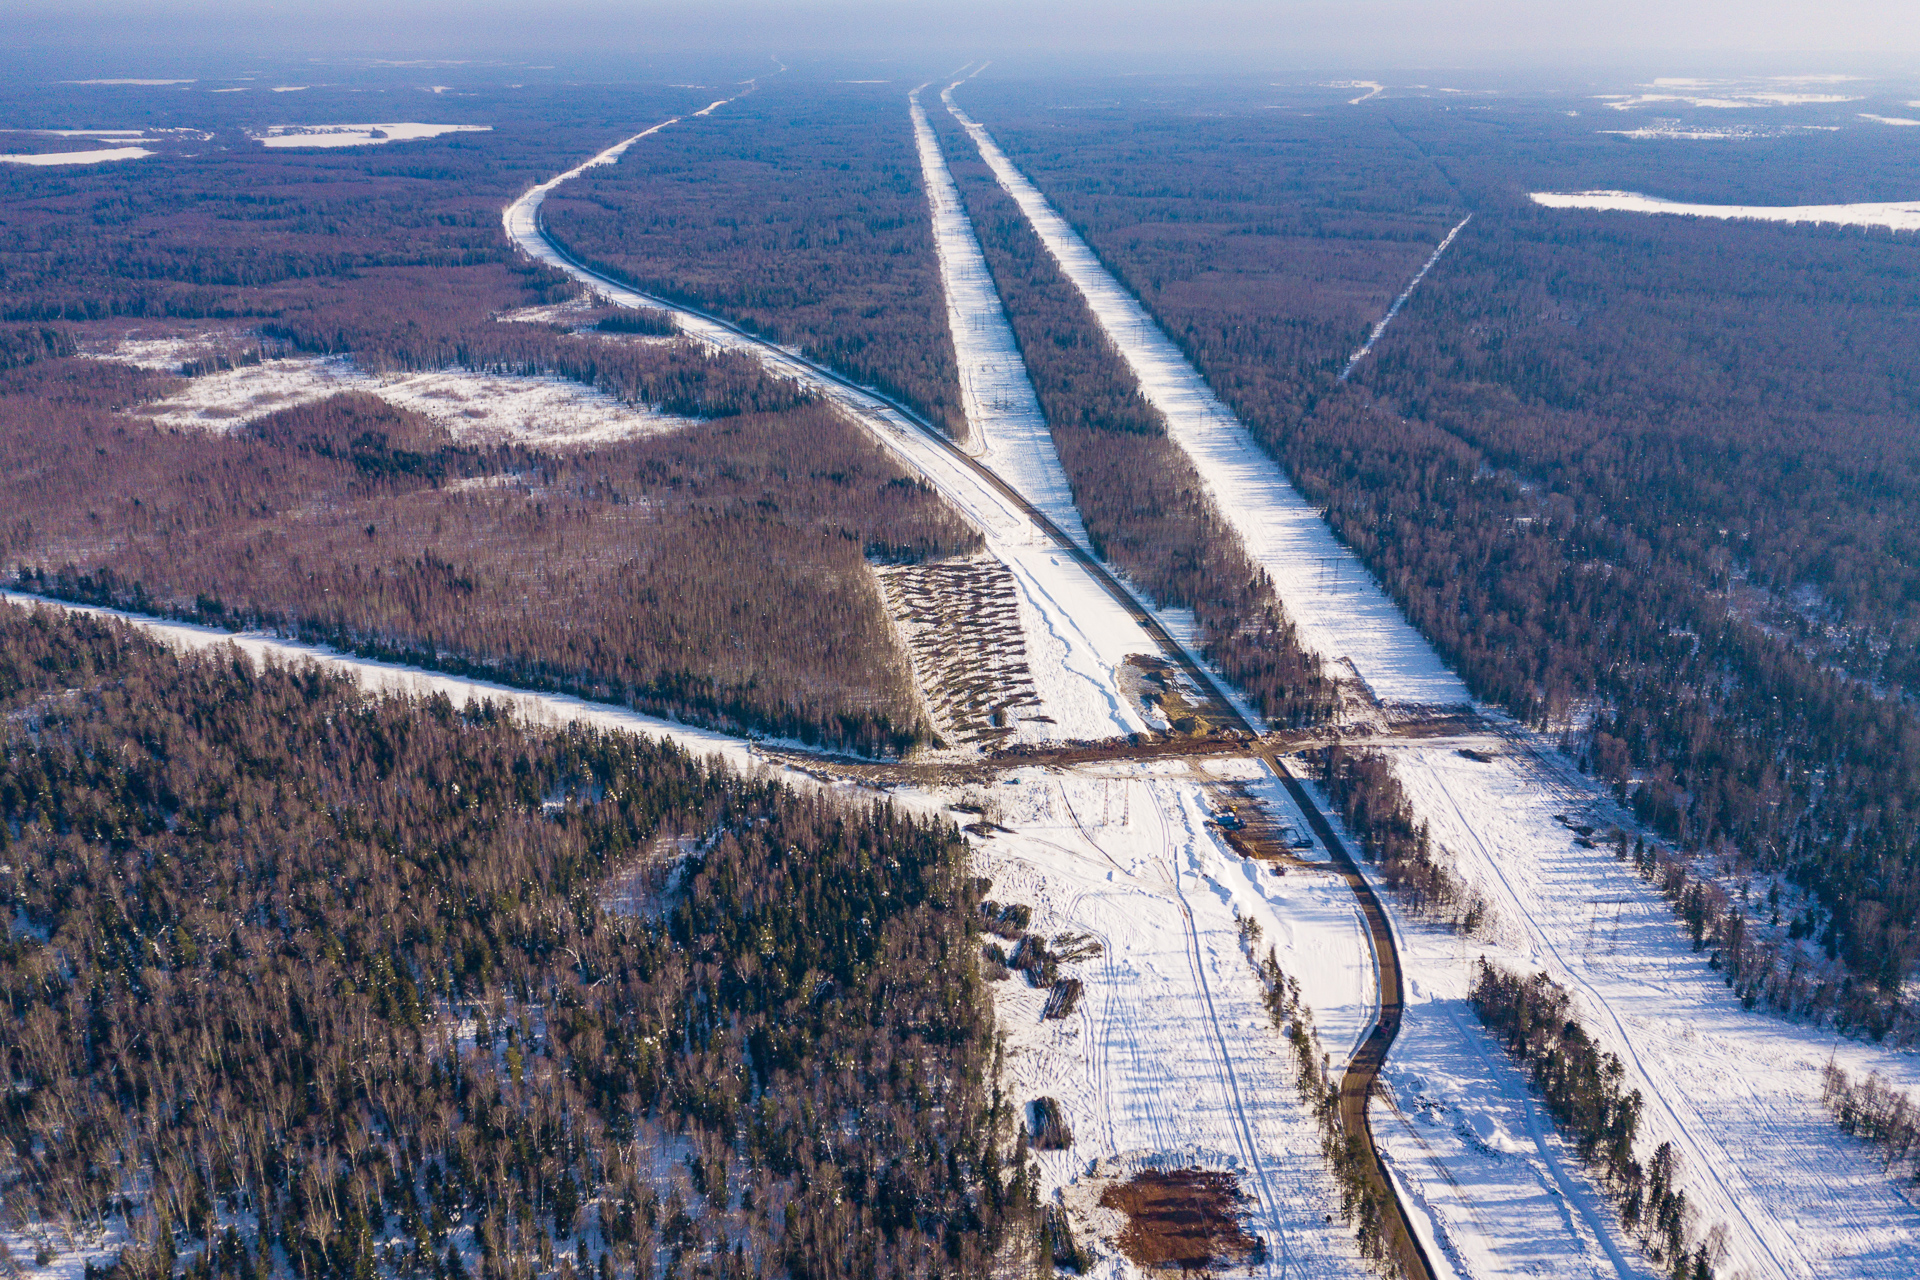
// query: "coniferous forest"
[[369, 985]]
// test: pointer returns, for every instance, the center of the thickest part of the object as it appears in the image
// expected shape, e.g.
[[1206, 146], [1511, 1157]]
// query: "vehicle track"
[[1196, 966], [1363, 1070]]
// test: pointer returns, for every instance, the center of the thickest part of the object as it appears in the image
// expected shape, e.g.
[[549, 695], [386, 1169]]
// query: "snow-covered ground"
[[1170, 1056], [1728, 95], [1332, 599], [1897, 120], [1009, 431], [354, 135], [1736, 1091], [475, 407], [1076, 636], [79, 157], [1900, 215]]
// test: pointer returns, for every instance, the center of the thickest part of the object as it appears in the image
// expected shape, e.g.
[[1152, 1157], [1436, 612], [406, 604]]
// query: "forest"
[[1144, 507], [615, 573], [1644, 482], [305, 982], [797, 212]]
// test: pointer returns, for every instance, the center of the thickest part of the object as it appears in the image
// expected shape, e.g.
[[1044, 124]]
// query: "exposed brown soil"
[[1187, 1219]]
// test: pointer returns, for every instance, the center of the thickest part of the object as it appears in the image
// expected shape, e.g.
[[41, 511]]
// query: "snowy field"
[[1901, 215], [1330, 596], [354, 135], [98, 156], [478, 408]]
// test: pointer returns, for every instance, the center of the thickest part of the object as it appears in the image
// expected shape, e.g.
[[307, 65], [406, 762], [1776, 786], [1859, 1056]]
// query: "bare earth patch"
[[1186, 1218]]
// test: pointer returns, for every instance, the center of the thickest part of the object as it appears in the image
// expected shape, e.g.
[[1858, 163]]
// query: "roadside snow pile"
[[356, 135], [1901, 215], [475, 407], [79, 157]]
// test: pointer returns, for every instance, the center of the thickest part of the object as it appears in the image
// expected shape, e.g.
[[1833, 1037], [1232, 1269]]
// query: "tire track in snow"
[[1217, 1043], [1686, 1133]]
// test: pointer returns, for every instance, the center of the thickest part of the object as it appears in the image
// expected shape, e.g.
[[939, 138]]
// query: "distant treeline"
[[303, 983]]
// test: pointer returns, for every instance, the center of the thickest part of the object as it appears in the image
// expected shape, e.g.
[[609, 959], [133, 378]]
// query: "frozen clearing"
[[79, 157], [355, 135], [479, 408], [1076, 635], [1332, 599], [1901, 215]]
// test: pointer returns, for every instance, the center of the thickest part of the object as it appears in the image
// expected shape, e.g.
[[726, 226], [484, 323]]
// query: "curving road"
[[1362, 1072]]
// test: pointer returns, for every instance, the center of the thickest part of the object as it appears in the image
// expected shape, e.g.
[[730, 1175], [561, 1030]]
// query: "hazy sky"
[[1797, 35]]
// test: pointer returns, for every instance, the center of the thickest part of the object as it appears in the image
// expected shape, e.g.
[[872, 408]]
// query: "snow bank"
[[1338, 609], [355, 135], [1898, 215], [79, 157]]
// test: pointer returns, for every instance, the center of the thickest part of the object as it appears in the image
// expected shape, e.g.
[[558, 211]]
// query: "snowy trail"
[[1401, 301], [549, 709], [1338, 609], [1077, 636]]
